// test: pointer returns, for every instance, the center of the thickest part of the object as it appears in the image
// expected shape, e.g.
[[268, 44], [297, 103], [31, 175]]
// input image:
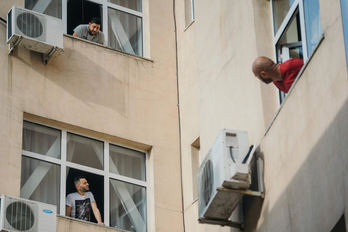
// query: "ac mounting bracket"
[[259, 193]]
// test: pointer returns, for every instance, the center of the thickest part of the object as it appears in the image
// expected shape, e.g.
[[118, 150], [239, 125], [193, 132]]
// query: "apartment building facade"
[[94, 110], [302, 136], [137, 115]]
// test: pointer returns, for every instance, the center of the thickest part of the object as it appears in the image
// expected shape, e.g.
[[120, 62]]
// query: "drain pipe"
[[179, 120]]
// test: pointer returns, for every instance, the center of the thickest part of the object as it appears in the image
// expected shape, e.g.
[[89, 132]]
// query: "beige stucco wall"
[[65, 224], [133, 101], [217, 87], [305, 149], [103, 93]]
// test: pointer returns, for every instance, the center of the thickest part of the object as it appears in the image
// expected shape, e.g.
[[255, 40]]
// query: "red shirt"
[[289, 70]]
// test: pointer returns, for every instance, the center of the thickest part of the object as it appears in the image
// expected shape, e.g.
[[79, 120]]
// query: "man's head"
[[94, 26], [266, 70], [81, 184]]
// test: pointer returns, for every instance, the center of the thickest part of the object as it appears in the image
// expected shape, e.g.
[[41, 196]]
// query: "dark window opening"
[[96, 186], [81, 12], [340, 226]]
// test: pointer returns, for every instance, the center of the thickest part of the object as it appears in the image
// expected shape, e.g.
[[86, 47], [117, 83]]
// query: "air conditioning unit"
[[18, 214], [225, 166], [35, 31]]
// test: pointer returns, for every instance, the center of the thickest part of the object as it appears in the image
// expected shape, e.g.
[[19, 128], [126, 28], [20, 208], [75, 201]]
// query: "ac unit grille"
[[29, 24], [207, 179], [20, 216]]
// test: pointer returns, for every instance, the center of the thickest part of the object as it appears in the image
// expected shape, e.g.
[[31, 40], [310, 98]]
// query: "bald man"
[[282, 75]]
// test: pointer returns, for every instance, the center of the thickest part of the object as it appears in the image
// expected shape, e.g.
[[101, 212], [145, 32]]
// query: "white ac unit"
[[226, 165], [18, 214], [35, 31]]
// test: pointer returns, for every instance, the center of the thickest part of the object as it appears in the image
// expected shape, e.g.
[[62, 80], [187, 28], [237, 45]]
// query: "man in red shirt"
[[282, 75]]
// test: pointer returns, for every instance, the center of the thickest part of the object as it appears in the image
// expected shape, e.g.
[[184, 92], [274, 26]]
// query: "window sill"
[[109, 48], [86, 223], [293, 85]]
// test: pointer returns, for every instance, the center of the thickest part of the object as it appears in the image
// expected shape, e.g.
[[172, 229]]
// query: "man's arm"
[[97, 213], [67, 210], [79, 31]]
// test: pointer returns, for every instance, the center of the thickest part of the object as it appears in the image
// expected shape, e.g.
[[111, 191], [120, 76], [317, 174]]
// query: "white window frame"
[[63, 163], [297, 6]]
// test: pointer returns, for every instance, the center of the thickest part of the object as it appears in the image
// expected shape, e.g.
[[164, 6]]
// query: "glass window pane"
[[127, 206], [127, 162], [131, 4], [344, 10], [125, 32], [40, 139], [280, 10], [40, 181], [49, 7], [85, 151], [313, 25]]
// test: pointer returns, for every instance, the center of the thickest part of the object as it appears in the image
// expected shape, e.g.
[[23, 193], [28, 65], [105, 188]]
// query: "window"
[[51, 159], [122, 20], [189, 12], [297, 29], [49, 7], [344, 10]]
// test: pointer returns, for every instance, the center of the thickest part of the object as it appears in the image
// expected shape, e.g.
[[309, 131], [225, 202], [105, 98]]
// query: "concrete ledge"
[[67, 224], [109, 48]]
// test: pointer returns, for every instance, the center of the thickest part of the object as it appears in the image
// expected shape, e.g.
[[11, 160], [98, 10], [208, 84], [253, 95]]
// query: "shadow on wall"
[[314, 200], [82, 77]]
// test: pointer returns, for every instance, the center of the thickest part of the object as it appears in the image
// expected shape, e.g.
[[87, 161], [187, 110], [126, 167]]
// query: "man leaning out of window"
[[90, 31]]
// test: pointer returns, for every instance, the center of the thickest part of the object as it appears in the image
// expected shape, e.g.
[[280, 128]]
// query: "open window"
[[290, 45], [122, 20], [296, 29], [81, 12], [96, 186], [52, 158]]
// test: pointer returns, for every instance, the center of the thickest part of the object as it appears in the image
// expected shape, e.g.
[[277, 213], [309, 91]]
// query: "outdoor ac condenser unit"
[[18, 214], [226, 165], [35, 31]]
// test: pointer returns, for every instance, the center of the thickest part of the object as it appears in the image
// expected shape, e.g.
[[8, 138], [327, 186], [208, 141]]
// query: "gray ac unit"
[[19, 215], [227, 165], [35, 31]]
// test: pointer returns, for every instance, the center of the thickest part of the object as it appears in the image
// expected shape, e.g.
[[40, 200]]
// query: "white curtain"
[[40, 179], [45, 189]]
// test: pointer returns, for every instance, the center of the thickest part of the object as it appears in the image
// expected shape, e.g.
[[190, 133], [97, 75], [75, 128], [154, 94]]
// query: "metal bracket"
[[259, 193], [11, 46], [47, 57]]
